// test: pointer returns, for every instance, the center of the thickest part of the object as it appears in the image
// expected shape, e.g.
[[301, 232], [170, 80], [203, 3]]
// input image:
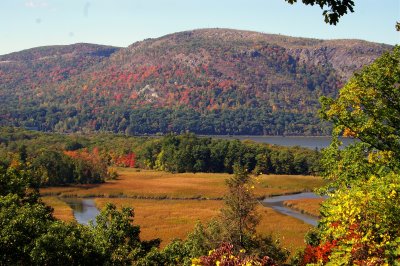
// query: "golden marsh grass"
[[170, 219], [290, 231], [62, 210], [167, 219], [308, 206], [155, 184], [163, 209]]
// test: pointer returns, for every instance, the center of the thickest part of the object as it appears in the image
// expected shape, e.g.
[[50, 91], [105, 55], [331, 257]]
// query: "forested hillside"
[[211, 81]]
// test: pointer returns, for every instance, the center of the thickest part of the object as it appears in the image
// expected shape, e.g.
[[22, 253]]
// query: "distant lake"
[[306, 142]]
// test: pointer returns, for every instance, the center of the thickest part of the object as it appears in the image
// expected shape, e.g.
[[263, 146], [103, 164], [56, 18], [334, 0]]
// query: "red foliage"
[[148, 71], [95, 151], [319, 253], [134, 95], [126, 160], [82, 154], [205, 67], [335, 224], [185, 97], [179, 73], [118, 97], [353, 232]]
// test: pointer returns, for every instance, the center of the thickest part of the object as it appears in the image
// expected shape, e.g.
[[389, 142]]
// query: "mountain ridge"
[[213, 81]]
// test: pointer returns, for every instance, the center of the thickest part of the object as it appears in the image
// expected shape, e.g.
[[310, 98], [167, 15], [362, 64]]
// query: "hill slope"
[[210, 81]]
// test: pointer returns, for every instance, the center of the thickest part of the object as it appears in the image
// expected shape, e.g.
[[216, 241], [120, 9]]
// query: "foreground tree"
[[118, 238], [234, 233], [359, 225], [226, 255], [21, 223], [333, 9], [29, 234], [230, 239], [360, 222], [22, 217], [239, 215], [66, 244], [368, 108]]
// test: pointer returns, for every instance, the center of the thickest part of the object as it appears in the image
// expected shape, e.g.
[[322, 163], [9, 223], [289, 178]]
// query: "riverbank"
[[306, 206], [148, 184], [176, 218], [62, 210], [170, 219], [167, 213]]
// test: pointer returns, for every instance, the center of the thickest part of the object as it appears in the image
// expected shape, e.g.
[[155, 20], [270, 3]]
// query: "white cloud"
[[35, 4]]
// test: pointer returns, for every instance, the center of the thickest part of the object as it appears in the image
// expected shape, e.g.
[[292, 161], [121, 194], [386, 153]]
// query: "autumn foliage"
[[360, 222], [225, 255], [212, 81], [125, 160]]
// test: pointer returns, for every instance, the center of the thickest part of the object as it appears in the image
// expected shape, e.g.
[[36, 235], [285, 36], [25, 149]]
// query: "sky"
[[30, 23]]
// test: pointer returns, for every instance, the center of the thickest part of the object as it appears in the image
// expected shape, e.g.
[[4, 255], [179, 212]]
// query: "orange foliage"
[[225, 84], [349, 133], [148, 71], [134, 95], [85, 155], [318, 254]]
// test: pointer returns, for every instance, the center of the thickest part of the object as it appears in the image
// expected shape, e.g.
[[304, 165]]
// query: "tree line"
[[64, 159], [149, 120], [190, 153]]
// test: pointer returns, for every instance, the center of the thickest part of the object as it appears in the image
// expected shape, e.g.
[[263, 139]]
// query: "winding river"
[[85, 210], [276, 203]]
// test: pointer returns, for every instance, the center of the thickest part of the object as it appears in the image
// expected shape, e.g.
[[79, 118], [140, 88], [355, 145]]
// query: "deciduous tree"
[[333, 9], [360, 220], [368, 108]]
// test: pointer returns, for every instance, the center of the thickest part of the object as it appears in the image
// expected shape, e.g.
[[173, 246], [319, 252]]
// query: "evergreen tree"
[[239, 215]]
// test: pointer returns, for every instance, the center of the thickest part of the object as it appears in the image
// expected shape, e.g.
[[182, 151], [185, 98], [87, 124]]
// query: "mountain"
[[208, 81]]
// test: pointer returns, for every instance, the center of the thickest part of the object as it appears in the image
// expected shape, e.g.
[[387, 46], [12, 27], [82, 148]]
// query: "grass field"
[[166, 204], [167, 219], [170, 219], [161, 185], [308, 206], [290, 231]]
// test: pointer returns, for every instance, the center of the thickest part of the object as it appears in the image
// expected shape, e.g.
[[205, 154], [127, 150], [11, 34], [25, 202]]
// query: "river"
[[85, 210], [276, 203], [306, 142]]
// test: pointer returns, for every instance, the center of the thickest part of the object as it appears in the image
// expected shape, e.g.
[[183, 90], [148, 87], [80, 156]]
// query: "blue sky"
[[32, 23]]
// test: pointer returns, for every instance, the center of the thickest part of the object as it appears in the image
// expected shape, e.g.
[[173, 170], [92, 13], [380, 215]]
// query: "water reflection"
[[85, 210]]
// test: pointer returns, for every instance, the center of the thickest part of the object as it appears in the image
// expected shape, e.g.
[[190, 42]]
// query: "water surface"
[[276, 203], [85, 210], [306, 142]]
